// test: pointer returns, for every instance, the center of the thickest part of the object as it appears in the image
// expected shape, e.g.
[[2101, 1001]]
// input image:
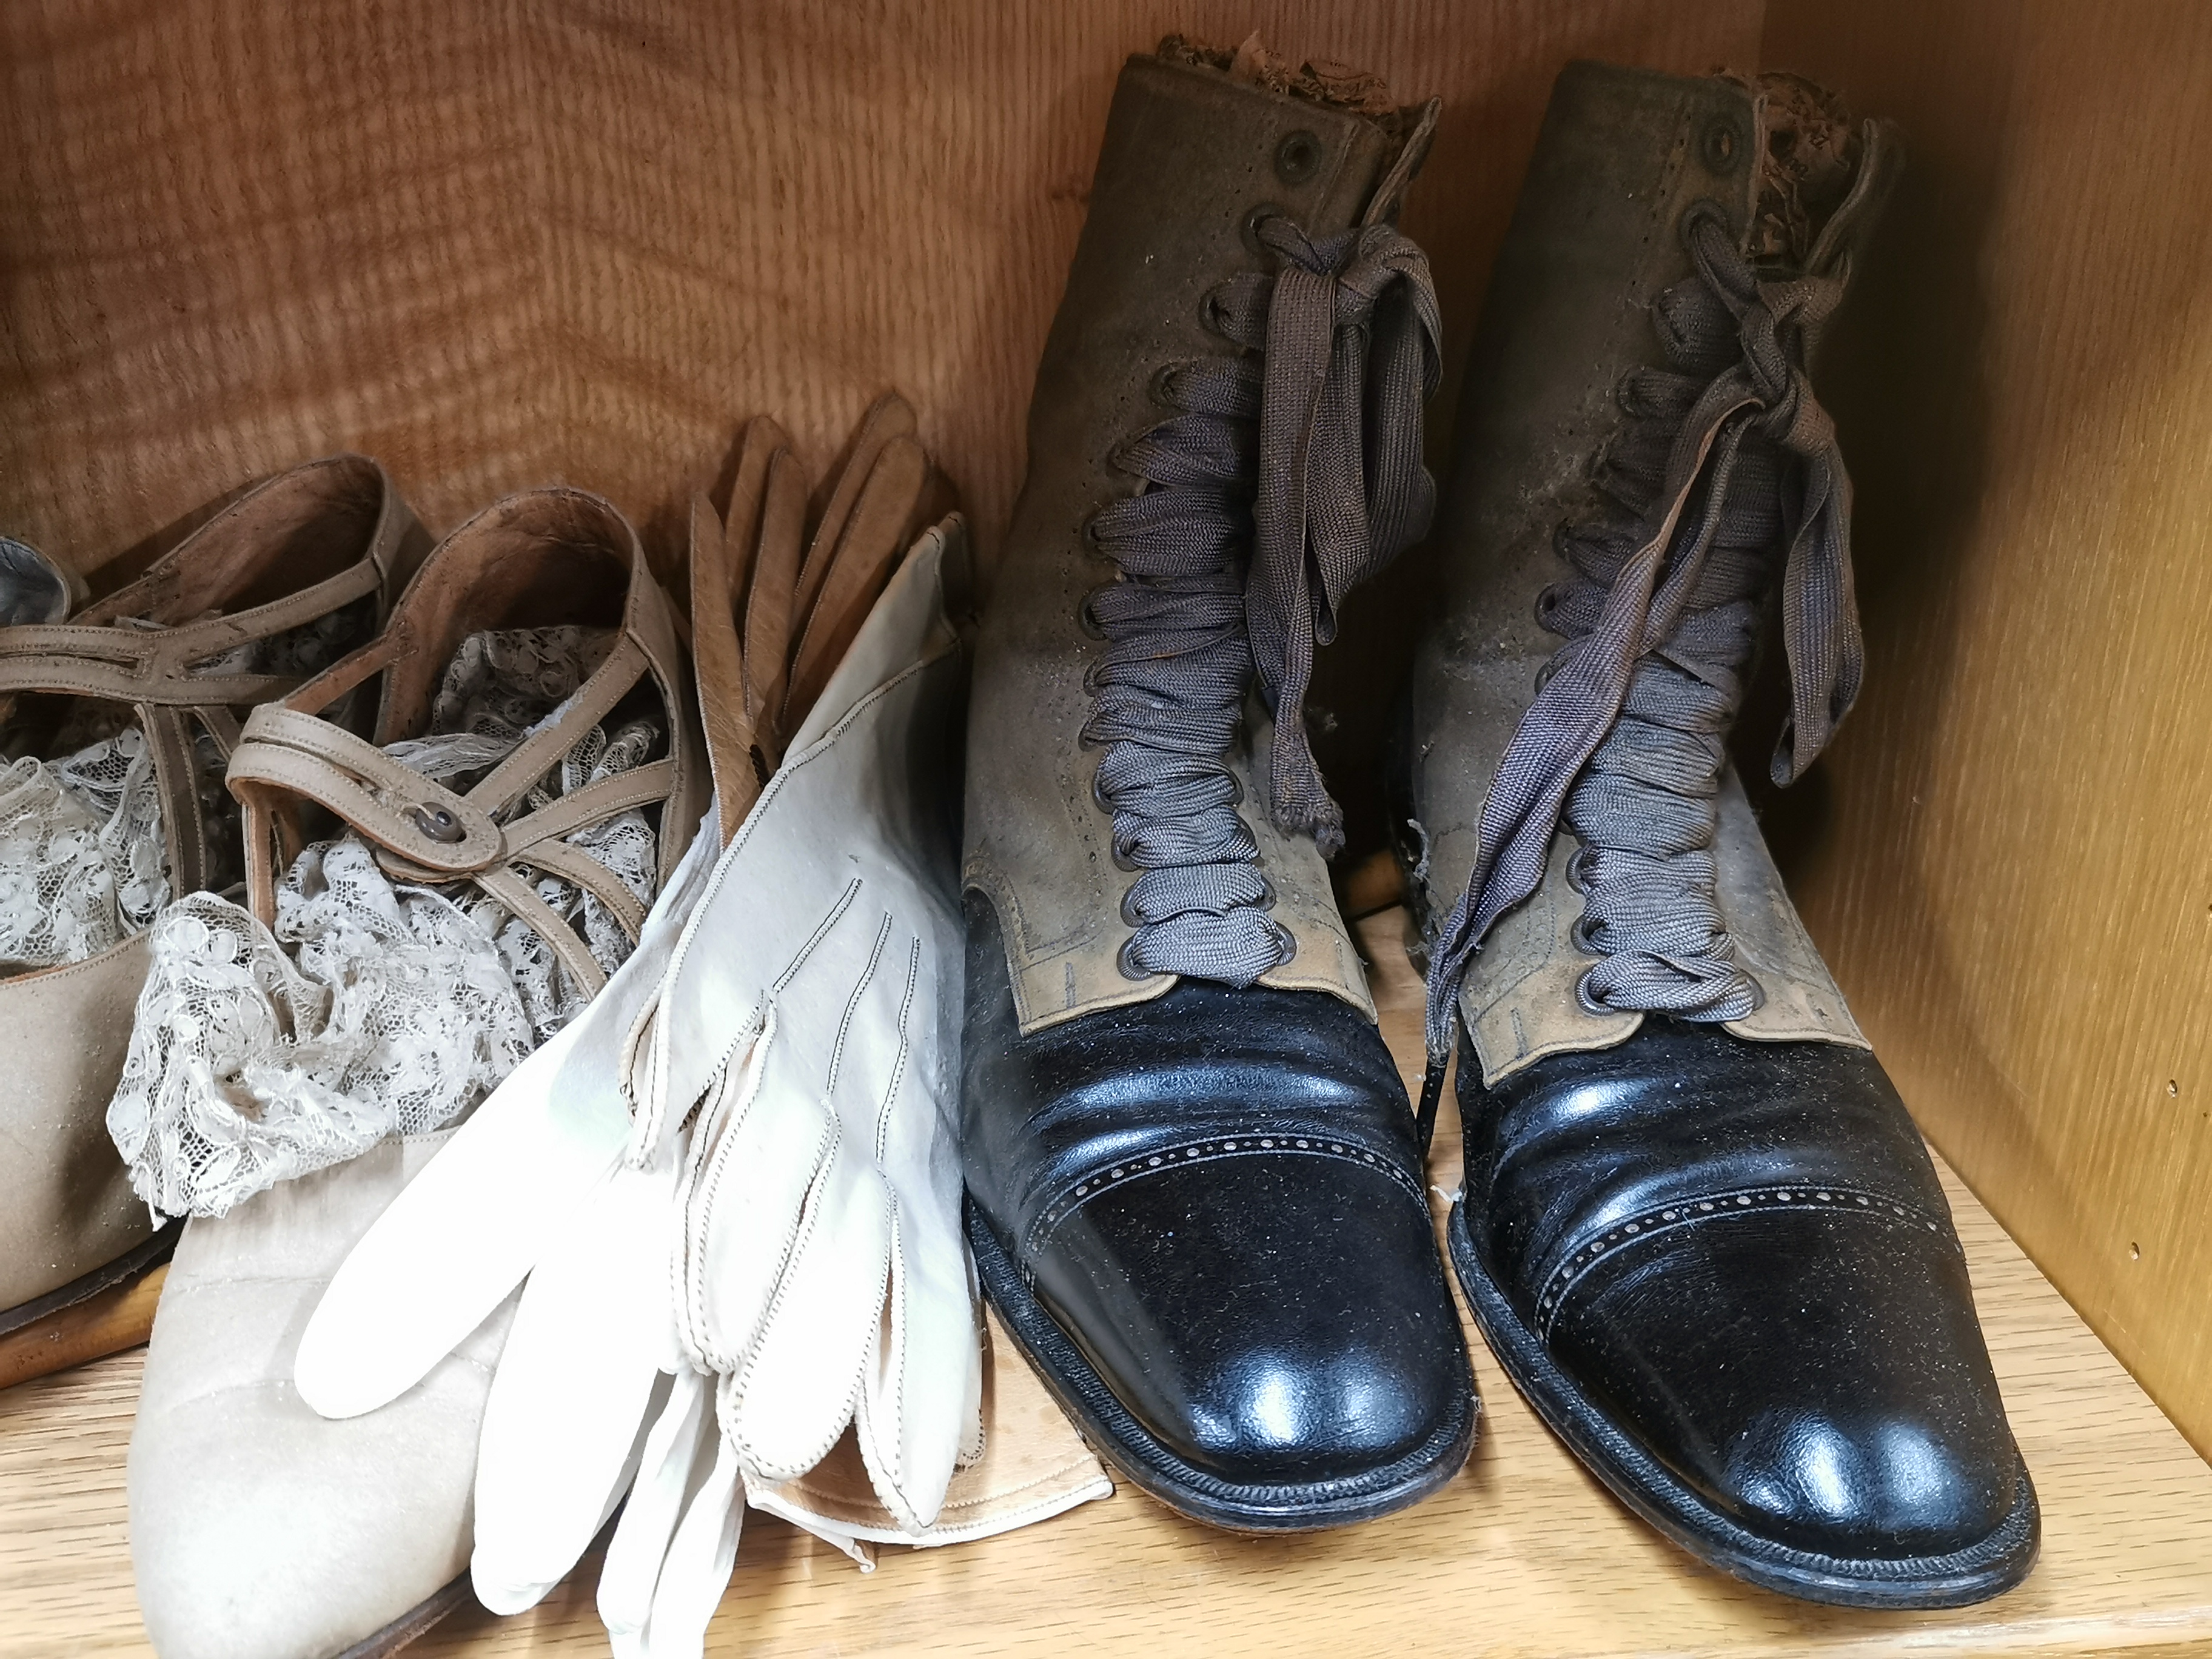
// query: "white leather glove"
[[852, 1222], [811, 1015]]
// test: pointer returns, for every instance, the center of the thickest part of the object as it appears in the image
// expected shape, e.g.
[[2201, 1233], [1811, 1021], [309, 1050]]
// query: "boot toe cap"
[[1822, 1381], [1270, 1321], [1883, 1482]]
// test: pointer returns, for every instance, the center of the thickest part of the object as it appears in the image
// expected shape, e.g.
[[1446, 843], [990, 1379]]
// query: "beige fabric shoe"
[[258, 1527], [259, 1530], [285, 580]]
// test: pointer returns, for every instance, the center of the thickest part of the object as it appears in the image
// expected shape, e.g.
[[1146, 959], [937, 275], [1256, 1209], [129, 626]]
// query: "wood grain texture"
[[502, 244], [2008, 862], [1521, 1556]]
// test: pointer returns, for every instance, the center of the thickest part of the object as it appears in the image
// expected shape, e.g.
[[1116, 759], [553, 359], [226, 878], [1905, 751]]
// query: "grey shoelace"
[[1290, 471], [1726, 455]]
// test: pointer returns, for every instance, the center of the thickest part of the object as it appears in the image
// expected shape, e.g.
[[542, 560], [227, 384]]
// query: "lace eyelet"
[[1130, 917], [1125, 960], [1123, 861], [1585, 998], [1577, 870], [440, 824], [1087, 619], [1720, 146], [1098, 796], [1289, 942], [1579, 936], [1297, 158], [1091, 537], [1267, 894], [1250, 229], [1162, 388]]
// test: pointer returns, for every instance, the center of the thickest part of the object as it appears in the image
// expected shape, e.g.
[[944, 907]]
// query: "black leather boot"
[[1196, 1194], [1699, 1230]]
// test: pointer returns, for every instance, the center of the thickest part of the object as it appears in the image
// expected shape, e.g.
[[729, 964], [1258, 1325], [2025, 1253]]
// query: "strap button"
[[438, 824]]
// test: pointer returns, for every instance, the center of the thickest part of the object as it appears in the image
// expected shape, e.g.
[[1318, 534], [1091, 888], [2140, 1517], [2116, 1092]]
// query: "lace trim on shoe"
[[84, 862], [375, 1007], [1320, 410]]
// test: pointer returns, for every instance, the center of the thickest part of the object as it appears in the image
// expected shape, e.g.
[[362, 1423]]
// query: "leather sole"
[[1647, 1486], [1115, 1435], [94, 1315], [411, 1623]]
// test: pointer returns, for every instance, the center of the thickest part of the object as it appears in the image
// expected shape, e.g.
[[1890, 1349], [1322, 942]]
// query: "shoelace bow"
[[1291, 473], [1625, 736]]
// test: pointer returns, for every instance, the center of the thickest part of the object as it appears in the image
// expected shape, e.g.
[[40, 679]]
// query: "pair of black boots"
[[1699, 1228]]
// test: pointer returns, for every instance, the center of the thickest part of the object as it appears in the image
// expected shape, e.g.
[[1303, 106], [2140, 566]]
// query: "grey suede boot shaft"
[[1544, 430], [1210, 152]]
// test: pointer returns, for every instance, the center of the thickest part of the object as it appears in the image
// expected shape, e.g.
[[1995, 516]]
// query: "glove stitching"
[[809, 1217], [852, 1006], [881, 1473], [905, 1055], [821, 932]]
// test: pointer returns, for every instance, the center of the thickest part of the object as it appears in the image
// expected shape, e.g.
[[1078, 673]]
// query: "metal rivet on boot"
[[438, 824], [1297, 157]]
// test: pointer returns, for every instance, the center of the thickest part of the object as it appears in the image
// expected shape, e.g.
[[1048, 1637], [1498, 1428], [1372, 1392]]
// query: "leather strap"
[[152, 668], [289, 752]]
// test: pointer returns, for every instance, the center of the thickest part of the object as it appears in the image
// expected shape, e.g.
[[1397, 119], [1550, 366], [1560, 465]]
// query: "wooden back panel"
[[2008, 861]]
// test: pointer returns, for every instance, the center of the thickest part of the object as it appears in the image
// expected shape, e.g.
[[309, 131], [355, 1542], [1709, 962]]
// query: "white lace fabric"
[[374, 1008], [84, 865]]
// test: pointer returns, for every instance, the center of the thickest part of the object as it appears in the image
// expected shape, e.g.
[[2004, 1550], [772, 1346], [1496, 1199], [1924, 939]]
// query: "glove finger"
[[569, 1400], [971, 1433], [699, 1561], [743, 1201], [463, 1234], [459, 1237], [797, 1392], [680, 1451], [921, 1399]]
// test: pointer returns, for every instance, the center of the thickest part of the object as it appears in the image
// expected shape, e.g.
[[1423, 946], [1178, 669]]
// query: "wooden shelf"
[[1521, 1555]]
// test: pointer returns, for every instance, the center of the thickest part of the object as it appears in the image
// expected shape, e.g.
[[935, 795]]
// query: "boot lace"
[[1725, 457], [1290, 471]]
